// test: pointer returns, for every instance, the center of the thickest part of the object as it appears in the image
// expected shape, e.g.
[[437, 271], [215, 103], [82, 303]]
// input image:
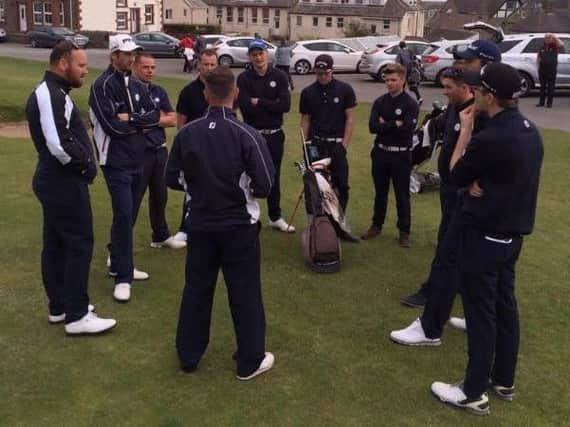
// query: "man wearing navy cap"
[[263, 99], [327, 119], [501, 167]]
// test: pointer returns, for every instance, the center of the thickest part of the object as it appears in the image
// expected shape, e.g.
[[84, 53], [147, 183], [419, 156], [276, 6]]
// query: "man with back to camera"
[[263, 99], [442, 284], [64, 170], [223, 165], [504, 160], [327, 120], [192, 105], [156, 155], [122, 111], [393, 119], [407, 59]]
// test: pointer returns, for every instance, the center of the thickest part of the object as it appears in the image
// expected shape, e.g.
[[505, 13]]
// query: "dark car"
[[50, 36], [3, 34], [159, 44]]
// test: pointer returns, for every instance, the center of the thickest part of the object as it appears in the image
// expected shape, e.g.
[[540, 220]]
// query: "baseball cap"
[[500, 79], [482, 49], [122, 43], [324, 62], [257, 44]]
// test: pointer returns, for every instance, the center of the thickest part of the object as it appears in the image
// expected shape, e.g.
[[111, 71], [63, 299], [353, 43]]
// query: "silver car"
[[439, 57], [233, 51], [373, 62]]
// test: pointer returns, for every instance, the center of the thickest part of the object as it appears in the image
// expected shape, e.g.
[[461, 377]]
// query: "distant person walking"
[[547, 60], [413, 75], [283, 60]]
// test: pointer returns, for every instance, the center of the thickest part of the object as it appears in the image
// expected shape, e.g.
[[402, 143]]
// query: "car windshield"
[[62, 31], [507, 45]]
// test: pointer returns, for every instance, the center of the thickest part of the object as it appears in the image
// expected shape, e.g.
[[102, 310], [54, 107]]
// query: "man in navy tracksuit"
[[64, 170], [501, 166], [156, 155], [122, 112], [223, 165], [263, 99]]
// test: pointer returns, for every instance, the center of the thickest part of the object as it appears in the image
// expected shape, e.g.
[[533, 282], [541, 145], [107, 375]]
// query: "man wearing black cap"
[[467, 60], [263, 99], [327, 119], [501, 166], [393, 119]]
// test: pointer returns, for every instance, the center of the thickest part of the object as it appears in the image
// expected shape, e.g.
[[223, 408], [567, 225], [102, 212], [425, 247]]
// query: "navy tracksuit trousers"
[[275, 143], [236, 252], [67, 243], [487, 273], [154, 179], [124, 188]]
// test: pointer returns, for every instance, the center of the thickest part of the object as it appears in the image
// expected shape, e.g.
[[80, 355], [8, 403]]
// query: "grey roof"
[[393, 9], [478, 7], [429, 5], [255, 3]]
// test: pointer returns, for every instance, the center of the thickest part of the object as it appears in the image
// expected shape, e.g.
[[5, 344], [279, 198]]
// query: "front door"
[[135, 20], [23, 18]]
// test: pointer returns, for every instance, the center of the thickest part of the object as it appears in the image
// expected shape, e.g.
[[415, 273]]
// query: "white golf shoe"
[[90, 324], [171, 243], [122, 292], [458, 323], [58, 318], [453, 394], [265, 365], [414, 335], [281, 225]]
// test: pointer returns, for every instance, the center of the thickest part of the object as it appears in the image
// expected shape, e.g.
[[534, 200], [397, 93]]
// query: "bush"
[[182, 30], [357, 29]]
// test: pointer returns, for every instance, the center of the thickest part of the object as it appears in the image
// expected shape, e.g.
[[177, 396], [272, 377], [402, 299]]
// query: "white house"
[[185, 12], [132, 16]]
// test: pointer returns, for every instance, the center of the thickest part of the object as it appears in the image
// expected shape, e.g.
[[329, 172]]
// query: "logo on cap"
[[457, 127], [398, 111], [336, 100], [273, 83]]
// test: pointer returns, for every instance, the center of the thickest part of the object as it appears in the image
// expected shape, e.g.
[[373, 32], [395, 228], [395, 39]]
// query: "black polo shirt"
[[326, 105], [191, 101], [392, 109], [156, 138], [274, 99]]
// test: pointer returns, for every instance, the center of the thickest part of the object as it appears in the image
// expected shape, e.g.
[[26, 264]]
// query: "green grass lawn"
[[334, 362]]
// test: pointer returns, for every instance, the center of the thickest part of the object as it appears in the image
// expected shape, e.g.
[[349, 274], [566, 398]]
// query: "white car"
[[212, 39], [305, 52], [233, 51]]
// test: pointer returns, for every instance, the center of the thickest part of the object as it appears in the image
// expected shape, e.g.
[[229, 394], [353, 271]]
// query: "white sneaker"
[[281, 225], [458, 323], [89, 324], [61, 317], [171, 243], [122, 292], [180, 236], [414, 335], [108, 260], [137, 274], [453, 394], [265, 365]]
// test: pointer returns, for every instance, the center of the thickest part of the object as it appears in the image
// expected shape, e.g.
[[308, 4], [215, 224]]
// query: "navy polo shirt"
[[326, 105], [156, 138]]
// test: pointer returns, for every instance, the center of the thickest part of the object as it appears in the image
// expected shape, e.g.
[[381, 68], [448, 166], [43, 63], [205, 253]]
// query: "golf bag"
[[321, 243], [425, 146]]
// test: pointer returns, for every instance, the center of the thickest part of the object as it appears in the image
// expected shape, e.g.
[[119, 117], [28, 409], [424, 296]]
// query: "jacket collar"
[[60, 81]]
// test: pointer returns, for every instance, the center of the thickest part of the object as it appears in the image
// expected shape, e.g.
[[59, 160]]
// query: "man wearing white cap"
[[122, 111]]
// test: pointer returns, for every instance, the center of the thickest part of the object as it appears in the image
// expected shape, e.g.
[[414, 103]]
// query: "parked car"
[[305, 52], [212, 39], [3, 34], [374, 61], [439, 56], [159, 44], [233, 51], [48, 36]]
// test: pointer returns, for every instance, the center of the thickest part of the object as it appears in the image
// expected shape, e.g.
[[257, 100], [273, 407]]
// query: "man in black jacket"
[[223, 165], [64, 170], [263, 99], [122, 111], [393, 119], [547, 60]]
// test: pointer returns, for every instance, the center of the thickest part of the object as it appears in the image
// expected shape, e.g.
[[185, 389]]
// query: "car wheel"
[[225, 61], [34, 43], [379, 77], [527, 84], [302, 67], [437, 81], [358, 67]]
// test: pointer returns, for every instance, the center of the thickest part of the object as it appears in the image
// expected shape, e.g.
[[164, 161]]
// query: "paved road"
[[366, 89]]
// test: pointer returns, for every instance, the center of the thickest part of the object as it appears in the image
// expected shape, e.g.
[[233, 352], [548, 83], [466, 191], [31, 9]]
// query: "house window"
[[149, 14], [299, 20], [167, 14], [329, 21], [240, 15], [122, 18], [277, 18], [340, 22], [386, 24], [38, 13], [219, 14], [47, 13], [229, 14], [265, 15], [185, 12], [315, 21], [254, 15], [373, 28], [61, 14], [121, 3]]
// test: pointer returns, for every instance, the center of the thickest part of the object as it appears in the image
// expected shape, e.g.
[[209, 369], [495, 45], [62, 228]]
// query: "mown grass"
[[335, 364]]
